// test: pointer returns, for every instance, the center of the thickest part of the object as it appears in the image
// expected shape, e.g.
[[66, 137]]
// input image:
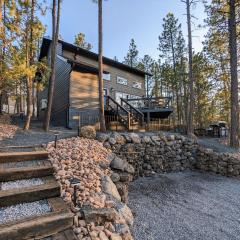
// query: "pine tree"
[[172, 50], [132, 56], [100, 66], [80, 41], [56, 8], [146, 64]]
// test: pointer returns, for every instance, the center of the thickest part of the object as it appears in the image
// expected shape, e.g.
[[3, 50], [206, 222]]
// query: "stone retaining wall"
[[226, 164], [151, 154], [160, 153]]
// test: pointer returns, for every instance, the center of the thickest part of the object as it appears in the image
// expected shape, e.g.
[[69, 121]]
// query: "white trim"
[[122, 81], [137, 85]]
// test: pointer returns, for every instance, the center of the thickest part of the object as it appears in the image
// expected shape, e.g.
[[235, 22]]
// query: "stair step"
[[38, 227], [22, 156], [11, 174], [29, 194], [66, 235]]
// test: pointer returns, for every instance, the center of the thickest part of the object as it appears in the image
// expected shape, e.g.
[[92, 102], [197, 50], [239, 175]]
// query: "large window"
[[121, 80]]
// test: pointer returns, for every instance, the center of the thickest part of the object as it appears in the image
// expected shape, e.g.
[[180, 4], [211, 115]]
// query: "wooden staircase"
[[128, 116], [55, 224]]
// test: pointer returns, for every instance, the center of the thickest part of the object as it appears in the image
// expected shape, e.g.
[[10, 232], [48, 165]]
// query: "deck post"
[[148, 120]]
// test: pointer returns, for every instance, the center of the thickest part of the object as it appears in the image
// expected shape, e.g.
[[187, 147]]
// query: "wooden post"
[[148, 120], [79, 124]]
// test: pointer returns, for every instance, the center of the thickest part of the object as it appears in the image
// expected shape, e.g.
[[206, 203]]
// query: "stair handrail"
[[126, 123], [139, 116]]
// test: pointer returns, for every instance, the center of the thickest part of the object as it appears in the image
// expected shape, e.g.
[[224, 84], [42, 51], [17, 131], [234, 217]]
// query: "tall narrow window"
[[106, 76]]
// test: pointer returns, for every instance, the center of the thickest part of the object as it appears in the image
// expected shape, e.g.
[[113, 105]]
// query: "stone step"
[[11, 174], [42, 226], [22, 156], [29, 194]]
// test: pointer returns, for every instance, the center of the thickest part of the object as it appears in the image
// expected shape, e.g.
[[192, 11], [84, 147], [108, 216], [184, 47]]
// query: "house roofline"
[[73, 48]]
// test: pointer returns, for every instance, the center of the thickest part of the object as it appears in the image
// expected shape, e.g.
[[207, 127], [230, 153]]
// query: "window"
[[43, 104], [106, 76], [122, 80], [137, 85]]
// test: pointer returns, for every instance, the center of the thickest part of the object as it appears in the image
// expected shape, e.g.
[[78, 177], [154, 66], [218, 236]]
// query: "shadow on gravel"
[[189, 205]]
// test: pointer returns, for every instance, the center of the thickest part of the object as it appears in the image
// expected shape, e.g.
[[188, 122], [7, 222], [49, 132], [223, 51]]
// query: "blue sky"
[[123, 20]]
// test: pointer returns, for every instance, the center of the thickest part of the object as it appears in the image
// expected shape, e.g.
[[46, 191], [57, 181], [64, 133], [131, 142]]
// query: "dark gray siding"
[[61, 94]]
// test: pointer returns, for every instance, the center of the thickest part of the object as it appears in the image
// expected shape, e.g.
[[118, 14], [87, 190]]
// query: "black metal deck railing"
[[150, 103]]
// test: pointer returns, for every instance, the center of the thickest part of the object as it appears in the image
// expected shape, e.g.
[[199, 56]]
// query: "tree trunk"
[[100, 66], [29, 62], [55, 33], [234, 131], [1, 55], [29, 104], [190, 131], [1, 104]]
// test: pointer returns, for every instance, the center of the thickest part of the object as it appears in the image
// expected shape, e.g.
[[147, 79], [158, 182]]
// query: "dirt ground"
[[186, 206]]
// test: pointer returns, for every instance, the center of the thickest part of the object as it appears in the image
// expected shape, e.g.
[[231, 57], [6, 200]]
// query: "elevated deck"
[[154, 107], [137, 112]]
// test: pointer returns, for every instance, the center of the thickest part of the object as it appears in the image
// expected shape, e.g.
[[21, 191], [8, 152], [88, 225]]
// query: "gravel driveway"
[[186, 206]]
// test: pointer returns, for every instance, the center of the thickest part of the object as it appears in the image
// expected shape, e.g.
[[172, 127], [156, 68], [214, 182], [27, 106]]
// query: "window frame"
[[135, 85], [120, 80]]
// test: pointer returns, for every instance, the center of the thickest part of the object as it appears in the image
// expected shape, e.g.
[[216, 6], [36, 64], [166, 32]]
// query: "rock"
[[171, 137], [119, 138], [127, 236], [126, 213], [125, 177], [75, 221], [123, 191], [135, 138], [102, 137], [110, 188], [115, 177], [122, 228], [129, 168], [112, 141], [103, 236], [100, 215], [118, 163], [115, 236], [146, 139], [77, 230], [88, 132]]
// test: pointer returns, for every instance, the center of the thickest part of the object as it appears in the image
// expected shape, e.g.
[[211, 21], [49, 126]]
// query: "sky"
[[123, 20]]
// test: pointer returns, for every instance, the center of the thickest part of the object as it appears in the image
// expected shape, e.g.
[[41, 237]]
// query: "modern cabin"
[[76, 89]]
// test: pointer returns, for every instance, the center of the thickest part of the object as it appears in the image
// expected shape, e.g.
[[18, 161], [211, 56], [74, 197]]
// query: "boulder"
[[119, 138], [88, 132], [102, 137], [135, 138], [129, 168], [115, 177], [118, 164], [112, 141], [110, 188], [115, 236], [100, 215]]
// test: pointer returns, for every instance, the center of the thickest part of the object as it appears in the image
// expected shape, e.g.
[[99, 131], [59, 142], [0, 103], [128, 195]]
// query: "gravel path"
[[20, 211], [36, 136], [216, 145], [186, 206]]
